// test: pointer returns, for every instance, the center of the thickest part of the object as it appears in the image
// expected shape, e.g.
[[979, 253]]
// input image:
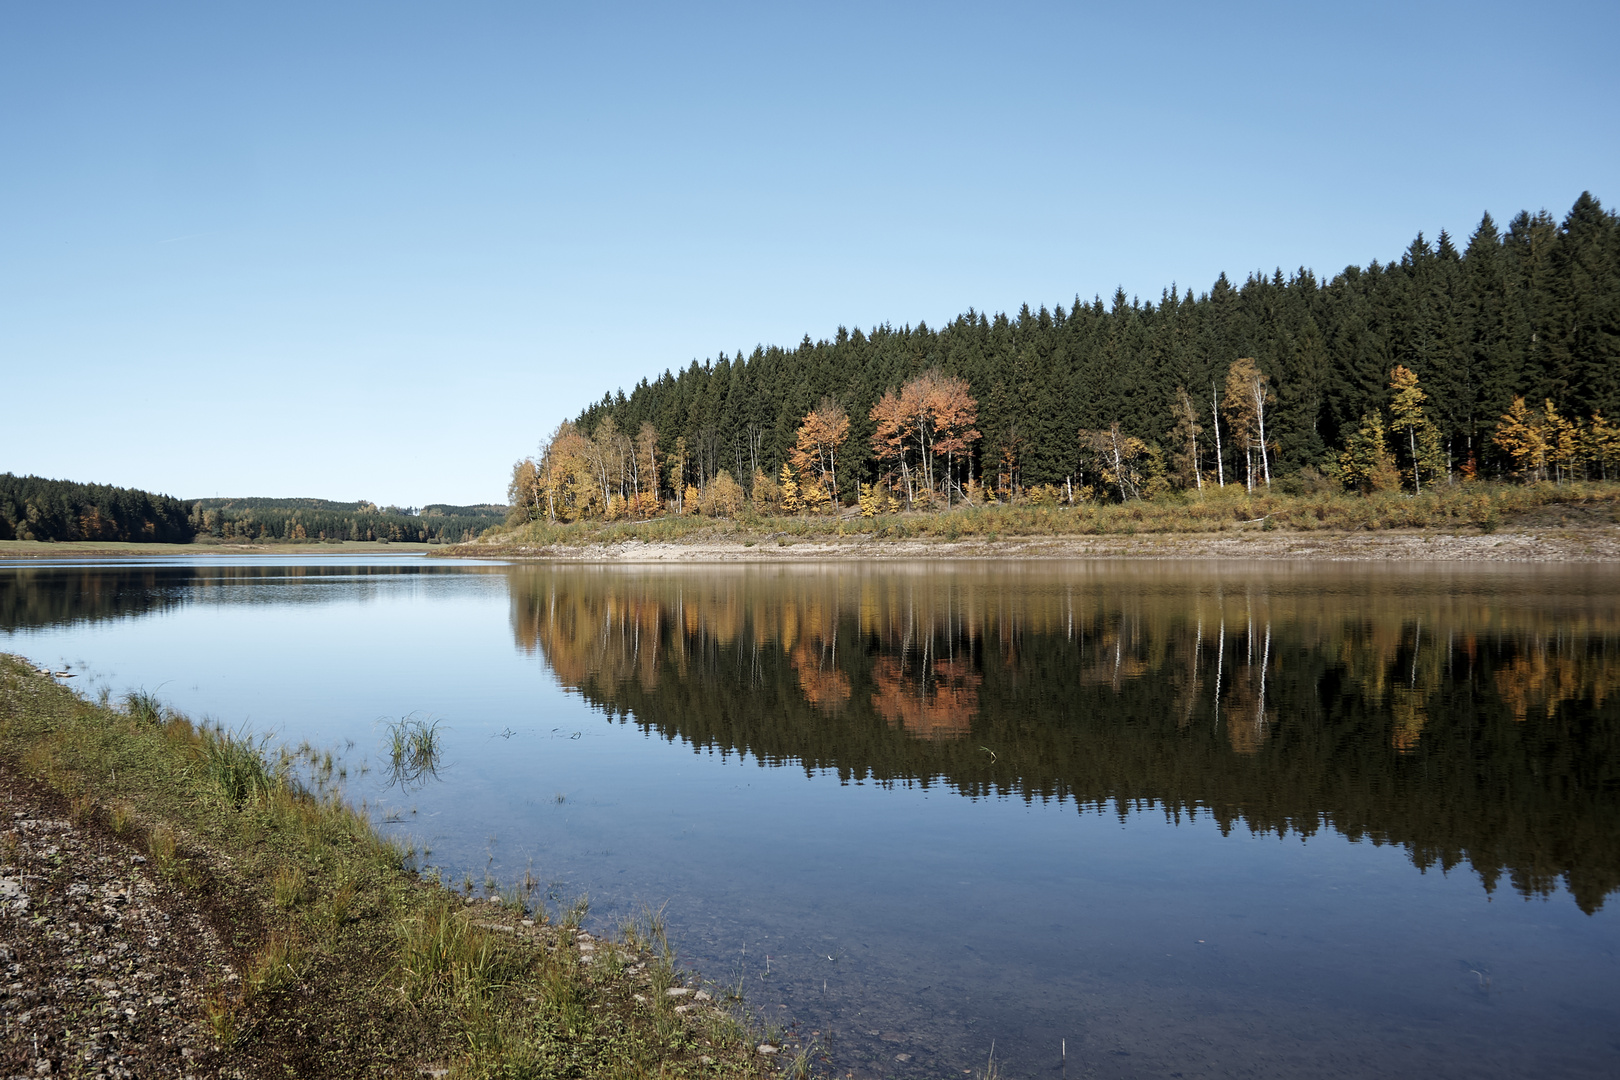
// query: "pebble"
[[100, 980]]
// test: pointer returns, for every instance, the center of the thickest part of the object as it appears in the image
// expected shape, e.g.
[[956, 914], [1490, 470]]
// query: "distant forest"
[[32, 508], [1525, 319], [321, 519]]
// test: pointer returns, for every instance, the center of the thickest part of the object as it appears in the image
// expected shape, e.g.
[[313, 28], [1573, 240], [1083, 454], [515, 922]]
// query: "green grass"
[[1288, 506], [350, 964], [414, 749]]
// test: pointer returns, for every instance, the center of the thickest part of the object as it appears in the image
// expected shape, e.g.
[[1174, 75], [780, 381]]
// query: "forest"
[[1498, 359], [33, 508], [323, 519]]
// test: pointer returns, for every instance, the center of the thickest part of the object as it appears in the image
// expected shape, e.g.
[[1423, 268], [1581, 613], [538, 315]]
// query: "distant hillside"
[[34, 508], [325, 519]]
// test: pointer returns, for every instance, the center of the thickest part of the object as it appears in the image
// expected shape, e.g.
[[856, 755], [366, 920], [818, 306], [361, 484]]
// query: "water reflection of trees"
[[33, 597], [1437, 713]]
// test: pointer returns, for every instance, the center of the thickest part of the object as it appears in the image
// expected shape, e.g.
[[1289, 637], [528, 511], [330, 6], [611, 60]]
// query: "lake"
[[1164, 818]]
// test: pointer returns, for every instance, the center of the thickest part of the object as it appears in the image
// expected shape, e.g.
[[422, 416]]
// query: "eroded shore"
[[1544, 545]]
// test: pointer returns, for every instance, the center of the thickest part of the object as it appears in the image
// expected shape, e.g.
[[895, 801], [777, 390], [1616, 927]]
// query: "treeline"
[[1127, 398], [33, 508], [320, 519]]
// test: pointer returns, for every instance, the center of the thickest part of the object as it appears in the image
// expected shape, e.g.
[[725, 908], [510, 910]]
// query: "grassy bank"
[[1482, 506], [347, 963]]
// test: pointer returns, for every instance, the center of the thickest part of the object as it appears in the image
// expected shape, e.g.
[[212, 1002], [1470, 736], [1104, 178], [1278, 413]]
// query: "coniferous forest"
[[1495, 358], [32, 508]]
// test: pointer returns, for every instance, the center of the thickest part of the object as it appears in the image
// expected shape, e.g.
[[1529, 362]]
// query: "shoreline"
[[32, 550], [1564, 544], [1510, 544], [175, 902]]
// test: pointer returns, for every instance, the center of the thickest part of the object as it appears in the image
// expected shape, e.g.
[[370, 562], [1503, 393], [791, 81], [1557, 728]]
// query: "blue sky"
[[378, 250]]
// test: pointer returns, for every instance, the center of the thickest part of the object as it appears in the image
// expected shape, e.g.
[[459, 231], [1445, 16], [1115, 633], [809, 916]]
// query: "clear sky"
[[376, 251]]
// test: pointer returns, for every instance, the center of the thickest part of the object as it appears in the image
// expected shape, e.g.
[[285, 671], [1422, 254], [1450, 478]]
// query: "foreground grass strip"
[[345, 964]]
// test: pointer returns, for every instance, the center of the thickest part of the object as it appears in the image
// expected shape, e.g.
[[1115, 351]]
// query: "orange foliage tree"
[[932, 417], [815, 454]]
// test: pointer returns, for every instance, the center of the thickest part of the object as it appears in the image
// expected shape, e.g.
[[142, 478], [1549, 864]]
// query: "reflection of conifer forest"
[[1436, 716], [33, 597]]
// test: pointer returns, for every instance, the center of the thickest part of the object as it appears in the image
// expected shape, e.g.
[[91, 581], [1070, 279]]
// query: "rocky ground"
[[105, 970]]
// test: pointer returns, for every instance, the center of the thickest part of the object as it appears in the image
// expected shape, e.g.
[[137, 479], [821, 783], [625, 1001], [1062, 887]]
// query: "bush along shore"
[[174, 901], [1231, 512]]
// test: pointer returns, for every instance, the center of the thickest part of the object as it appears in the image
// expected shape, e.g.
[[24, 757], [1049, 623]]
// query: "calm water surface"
[[1186, 819]]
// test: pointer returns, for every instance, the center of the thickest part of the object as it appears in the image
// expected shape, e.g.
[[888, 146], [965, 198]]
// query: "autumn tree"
[[763, 490], [931, 417], [677, 474], [1118, 459], [1244, 405], [1522, 435], [1365, 463], [1409, 413], [523, 493], [789, 488], [1184, 466], [1563, 442], [815, 453], [1602, 444], [646, 469], [723, 497]]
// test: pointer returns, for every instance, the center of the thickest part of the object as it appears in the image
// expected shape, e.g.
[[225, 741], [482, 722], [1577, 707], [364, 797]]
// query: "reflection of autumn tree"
[[824, 685], [1469, 730], [932, 701], [1546, 674]]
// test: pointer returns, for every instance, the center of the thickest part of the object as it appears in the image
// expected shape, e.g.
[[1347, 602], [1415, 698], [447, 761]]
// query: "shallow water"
[[1177, 819]]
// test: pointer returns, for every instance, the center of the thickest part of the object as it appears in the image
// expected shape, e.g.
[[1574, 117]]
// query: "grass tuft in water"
[[414, 749]]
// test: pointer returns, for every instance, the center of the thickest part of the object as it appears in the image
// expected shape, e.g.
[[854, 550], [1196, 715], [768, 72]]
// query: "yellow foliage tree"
[[723, 497], [1365, 463], [1523, 437], [815, 453], [1408, 411], [789, 487], [764, 491], [1563, 442], [1603, 444]]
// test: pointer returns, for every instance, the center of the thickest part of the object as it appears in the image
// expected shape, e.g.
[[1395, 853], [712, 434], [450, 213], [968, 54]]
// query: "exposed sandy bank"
[[1599, 544]]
